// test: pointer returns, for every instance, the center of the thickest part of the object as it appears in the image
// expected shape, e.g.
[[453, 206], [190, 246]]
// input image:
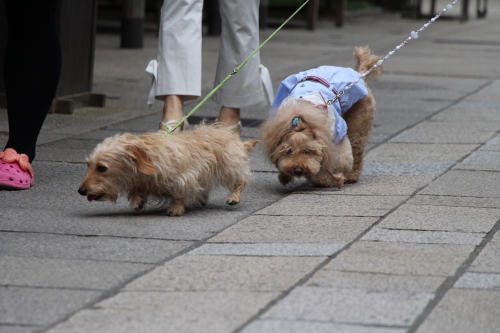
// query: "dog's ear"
[[144, 163]]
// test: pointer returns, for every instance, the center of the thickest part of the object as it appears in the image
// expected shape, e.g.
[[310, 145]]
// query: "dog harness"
[[325, 81]]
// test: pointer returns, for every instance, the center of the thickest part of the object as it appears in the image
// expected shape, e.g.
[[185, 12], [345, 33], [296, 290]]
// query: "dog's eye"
[[289, 151], [101, 168], [307, 150]]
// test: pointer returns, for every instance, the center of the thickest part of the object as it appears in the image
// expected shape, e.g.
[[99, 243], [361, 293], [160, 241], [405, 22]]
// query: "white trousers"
[[178, 63]]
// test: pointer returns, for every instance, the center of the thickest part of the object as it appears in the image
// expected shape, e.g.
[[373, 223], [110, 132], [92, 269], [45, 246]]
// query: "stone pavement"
[[411, 248]]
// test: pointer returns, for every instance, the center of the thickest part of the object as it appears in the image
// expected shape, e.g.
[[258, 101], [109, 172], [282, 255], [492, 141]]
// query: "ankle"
[[229, 116], [173, 109]]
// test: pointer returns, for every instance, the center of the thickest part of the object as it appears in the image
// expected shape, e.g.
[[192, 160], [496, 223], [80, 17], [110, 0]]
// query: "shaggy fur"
[[180, 169], [307, 150]]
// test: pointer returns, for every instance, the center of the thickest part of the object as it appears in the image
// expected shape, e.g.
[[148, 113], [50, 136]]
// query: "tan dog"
[[299, 140], [181, 168]]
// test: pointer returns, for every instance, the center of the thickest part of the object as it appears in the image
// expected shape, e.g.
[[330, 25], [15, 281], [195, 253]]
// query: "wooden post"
[[312, 14], [340, 13], [132, 29]]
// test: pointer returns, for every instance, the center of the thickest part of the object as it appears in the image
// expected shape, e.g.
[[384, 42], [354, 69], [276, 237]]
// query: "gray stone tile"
[[488, 260], [371, 185], [436, 200], [301, 326], [374, 282], [401, 258], [471, 280], [61, 155], [423, 237], [464, 311], [209, 273], [92, 248], [448, 132], [350, 306], [295, 229], [417, 152], [444, 218], [65, 273], [187, 312], [19, 329], [405, 169], [491, 145], [481, 160], [482, 184], [333, 206], [41, 307], [470, 111], [268, 250]]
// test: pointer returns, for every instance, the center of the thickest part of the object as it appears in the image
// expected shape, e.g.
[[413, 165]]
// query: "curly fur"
[[307, 149], [180, 169]]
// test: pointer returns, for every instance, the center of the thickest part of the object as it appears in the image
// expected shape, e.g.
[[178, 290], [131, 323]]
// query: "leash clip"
[[234, 71], [337, 97]]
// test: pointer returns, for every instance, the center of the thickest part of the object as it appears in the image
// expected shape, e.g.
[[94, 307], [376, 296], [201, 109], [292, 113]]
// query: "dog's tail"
[[366, 59], [250, 145]]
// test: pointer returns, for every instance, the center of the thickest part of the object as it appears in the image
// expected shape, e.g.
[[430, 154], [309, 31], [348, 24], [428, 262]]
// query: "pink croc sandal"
[[16, 172]]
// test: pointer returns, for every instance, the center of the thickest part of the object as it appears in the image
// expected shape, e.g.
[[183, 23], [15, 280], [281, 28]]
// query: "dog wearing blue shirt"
[[312, 134]]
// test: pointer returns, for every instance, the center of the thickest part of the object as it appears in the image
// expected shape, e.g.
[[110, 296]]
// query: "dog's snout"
[[298, 171], [82, 191]]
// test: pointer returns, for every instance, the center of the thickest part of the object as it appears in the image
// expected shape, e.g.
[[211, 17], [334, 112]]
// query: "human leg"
[[239, 38], [31, 70], [179, 56], [32, 67]]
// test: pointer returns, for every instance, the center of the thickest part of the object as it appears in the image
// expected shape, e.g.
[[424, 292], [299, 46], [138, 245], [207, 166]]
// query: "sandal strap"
[[236, 128], [10, 155], [167, 126]]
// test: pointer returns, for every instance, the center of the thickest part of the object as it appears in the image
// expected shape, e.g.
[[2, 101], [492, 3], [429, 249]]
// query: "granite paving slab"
[[402, 258], [447, 132], [488, 260], [464, 311], [41, 306], [350, 306], [481, 160], [462, 183], [444, 218], [35, 245], [19, 329], [472, 280], [436, 200], [294, 229], [375, 282], [226, 273], [491, 145], [165, 312], [372, 185], [470, 111], [66, 273], [423, 237], [298, 326], [268, 250], [317, 205], [411, 152]]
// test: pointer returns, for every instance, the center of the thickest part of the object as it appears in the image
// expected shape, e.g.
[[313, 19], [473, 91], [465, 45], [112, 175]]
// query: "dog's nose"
[[298, 171], [82, 191]]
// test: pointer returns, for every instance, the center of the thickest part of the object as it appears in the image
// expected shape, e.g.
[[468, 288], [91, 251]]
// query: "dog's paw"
[[233, 200], [175, 211], [284, 179], [139, 205], [338, 180]]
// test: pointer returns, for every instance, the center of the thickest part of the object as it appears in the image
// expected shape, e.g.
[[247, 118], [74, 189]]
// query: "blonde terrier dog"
[[323, 142], [181, 168]]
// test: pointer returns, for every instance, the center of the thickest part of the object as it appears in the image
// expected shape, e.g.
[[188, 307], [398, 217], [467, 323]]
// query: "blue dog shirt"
[[328, 81]]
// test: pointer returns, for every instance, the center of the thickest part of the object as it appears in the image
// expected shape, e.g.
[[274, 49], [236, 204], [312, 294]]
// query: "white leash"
[[413, 35]]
